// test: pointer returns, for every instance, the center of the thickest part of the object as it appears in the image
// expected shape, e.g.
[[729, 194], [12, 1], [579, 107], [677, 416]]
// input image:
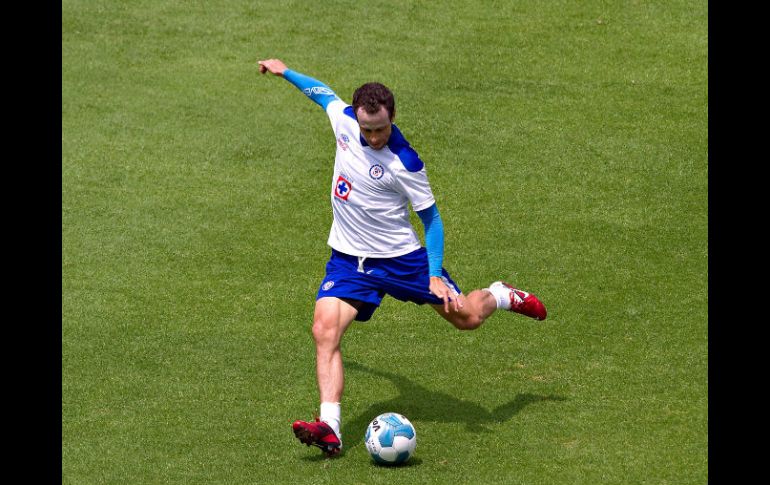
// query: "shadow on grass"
[[412, 462], [321, 457], [421, 404]]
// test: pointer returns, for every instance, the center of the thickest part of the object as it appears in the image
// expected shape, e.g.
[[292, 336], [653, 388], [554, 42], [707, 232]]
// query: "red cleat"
[[524, 303], [318, 434]]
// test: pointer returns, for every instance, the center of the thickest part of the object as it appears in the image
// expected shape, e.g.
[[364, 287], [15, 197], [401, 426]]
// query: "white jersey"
[[372, 189]]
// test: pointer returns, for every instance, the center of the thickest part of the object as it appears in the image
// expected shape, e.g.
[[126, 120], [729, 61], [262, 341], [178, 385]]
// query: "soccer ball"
[[390, 439]]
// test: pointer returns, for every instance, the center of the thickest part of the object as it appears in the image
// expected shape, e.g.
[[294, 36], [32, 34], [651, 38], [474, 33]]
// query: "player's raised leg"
[[475, 308], [517, 301], [331, 319], [480, 304]]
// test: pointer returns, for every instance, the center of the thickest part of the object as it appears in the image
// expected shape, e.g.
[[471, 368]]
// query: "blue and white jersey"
[[371, 190]]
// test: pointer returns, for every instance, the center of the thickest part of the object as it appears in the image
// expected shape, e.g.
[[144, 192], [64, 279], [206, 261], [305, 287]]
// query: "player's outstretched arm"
[[314, 89]]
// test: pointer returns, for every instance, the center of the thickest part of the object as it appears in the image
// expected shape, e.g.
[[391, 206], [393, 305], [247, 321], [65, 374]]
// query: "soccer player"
[[375, 249]]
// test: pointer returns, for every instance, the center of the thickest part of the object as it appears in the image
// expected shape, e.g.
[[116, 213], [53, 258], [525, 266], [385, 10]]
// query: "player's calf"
[[475, 309]]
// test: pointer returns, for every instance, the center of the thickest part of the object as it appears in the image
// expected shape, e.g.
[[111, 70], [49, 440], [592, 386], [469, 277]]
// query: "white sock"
[[502, 296], [330, 414]]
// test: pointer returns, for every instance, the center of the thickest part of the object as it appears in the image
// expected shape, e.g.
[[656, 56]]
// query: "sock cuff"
[[502, 296], [330, 414]]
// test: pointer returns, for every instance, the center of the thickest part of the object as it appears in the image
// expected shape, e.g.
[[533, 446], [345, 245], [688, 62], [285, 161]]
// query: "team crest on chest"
[[376, 171], [342, 188]]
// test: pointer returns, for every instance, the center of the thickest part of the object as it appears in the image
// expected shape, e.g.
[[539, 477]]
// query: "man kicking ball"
[[375, 250]]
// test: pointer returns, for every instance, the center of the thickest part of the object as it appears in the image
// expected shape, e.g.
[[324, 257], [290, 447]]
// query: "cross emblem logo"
[[342, 188]]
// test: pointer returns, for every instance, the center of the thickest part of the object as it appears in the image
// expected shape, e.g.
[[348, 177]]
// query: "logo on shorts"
[[327, 286], [342, 188], [376, 171]]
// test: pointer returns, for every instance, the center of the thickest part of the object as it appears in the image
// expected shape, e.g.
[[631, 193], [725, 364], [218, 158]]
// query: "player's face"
[[375, 128]]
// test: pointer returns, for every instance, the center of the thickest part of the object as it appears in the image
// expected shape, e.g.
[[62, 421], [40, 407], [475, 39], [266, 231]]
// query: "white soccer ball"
[[390, 439]]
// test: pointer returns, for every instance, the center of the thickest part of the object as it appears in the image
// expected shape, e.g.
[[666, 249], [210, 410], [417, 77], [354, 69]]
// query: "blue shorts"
[[405, 278]]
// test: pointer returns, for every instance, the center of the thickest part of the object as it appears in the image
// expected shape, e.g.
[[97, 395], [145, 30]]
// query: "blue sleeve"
[[434, 238], [317, 91]]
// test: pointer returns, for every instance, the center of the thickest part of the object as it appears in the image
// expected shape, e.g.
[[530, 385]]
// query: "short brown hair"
[[371, 96]]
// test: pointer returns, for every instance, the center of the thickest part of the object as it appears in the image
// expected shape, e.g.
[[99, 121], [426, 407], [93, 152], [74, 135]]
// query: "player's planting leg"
[[332, 317], [330, 321]]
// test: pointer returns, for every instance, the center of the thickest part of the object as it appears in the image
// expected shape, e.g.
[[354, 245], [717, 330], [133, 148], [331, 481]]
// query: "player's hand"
[[441, 290], [275, 66]]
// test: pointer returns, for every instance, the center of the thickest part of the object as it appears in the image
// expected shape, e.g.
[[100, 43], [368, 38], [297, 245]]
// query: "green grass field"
[[567, 145]]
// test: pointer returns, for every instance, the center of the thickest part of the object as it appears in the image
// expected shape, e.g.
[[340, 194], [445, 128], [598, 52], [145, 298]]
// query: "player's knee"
[[470, 322], [325, 329]]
